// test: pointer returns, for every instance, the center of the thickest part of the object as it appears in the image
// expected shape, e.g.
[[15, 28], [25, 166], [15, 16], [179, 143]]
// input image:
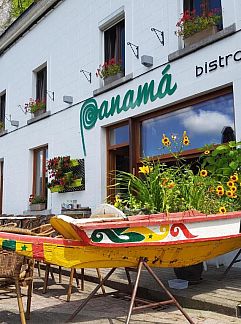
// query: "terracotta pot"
[[191, 273], [113, 78], [195, 38]]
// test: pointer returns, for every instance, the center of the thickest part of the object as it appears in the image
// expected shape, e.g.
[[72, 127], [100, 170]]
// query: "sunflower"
[[234, 177], [233, 189], [203, 173], [220, 192], [206, 152], [230, 183], [186, 141], [220, 188], [222, 210], [229, 193], [165, 140]]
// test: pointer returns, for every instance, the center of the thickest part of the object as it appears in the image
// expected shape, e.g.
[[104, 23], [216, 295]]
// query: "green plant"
[[62, 172], [19, 6], [37, 200], [109, 68], [163, 188], [190, 23], [2, 126], [35, 105]]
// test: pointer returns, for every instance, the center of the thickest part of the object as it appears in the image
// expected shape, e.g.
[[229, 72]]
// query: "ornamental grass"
[[210, 185]]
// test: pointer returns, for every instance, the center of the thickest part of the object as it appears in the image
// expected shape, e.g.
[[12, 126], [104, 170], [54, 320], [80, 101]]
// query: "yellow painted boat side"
[[65, 229], [169, 255]]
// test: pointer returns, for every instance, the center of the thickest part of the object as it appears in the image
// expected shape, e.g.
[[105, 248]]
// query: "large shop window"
[[208, 119], [41, 84], [203, 7], [39, 171], [207, 122], [114, 39], [2, 108]]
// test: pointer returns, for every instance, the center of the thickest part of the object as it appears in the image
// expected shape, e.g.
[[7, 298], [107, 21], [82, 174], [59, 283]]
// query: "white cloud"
[[206, 121]]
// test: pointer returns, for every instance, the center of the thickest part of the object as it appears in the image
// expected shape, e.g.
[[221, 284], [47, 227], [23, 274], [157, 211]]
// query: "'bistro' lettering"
[[90, 112], [221, 62]]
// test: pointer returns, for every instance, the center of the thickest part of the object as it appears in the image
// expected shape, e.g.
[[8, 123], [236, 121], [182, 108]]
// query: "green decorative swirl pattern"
[[116, 235]]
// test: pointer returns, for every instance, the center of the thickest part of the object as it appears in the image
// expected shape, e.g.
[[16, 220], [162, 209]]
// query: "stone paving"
[[53, 308]]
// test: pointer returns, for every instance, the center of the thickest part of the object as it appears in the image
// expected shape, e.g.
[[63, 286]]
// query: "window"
[[203, 7], [39, 172], [114, 39], [208, 119], [41, 84], [2, 109], [204, 122], [118, 151]]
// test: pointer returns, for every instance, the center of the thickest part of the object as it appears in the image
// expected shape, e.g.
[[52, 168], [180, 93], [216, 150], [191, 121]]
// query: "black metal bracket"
[[50, 94], [87, 75], [135, 49], [24, 110], [159, 35]]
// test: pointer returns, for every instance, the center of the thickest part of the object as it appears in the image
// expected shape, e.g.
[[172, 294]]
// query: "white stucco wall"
[[69, 39]]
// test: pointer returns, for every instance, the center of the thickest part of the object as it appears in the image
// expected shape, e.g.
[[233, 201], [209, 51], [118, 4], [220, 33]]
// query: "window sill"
[[113, 85], [38, 212], [204, 42], [2, 133], [40, 117]]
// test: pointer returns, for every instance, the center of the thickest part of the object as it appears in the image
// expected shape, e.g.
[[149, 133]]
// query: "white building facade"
[[52, 53]]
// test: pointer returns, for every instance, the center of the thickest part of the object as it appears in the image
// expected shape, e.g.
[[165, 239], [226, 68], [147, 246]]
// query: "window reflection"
[[204, 122], [119, 135]]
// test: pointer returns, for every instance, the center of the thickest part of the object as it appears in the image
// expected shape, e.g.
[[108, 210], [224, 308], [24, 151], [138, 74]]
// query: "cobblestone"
[[53, 308]]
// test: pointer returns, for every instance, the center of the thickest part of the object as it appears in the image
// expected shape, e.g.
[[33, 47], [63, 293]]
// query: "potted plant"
[[2, 127], [35, 107], [37, 203], [193, 28], [214, 187], [110, 71]]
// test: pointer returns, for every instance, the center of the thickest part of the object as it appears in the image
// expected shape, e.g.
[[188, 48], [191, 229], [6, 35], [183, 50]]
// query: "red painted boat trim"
[[40, 240], [158, 219]]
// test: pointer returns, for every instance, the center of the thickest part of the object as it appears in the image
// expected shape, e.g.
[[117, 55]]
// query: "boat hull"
[[70, 253]]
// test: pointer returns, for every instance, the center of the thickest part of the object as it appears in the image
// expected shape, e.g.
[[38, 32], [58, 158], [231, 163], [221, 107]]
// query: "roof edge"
[[25, 21]]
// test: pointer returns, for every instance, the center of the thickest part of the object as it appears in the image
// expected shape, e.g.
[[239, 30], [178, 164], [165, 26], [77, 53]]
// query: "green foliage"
[[37, 200], [190, 24], [19, 6], [161, 188], [223, 161]]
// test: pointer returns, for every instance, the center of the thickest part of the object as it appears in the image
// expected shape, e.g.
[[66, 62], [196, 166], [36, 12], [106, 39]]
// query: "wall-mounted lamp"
[[68, 99], [147, 60], [12, 122], [87, 75]]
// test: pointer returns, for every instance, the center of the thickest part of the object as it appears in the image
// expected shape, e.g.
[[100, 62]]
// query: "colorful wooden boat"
[[173, 240]]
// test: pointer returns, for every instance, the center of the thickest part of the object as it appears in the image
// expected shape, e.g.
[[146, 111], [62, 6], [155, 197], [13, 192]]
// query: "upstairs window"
[[114, 41], [2, 110], [203, 7], [41, 84]]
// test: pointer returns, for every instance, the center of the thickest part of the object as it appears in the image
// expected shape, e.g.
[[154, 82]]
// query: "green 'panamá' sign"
[[90, 112]]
